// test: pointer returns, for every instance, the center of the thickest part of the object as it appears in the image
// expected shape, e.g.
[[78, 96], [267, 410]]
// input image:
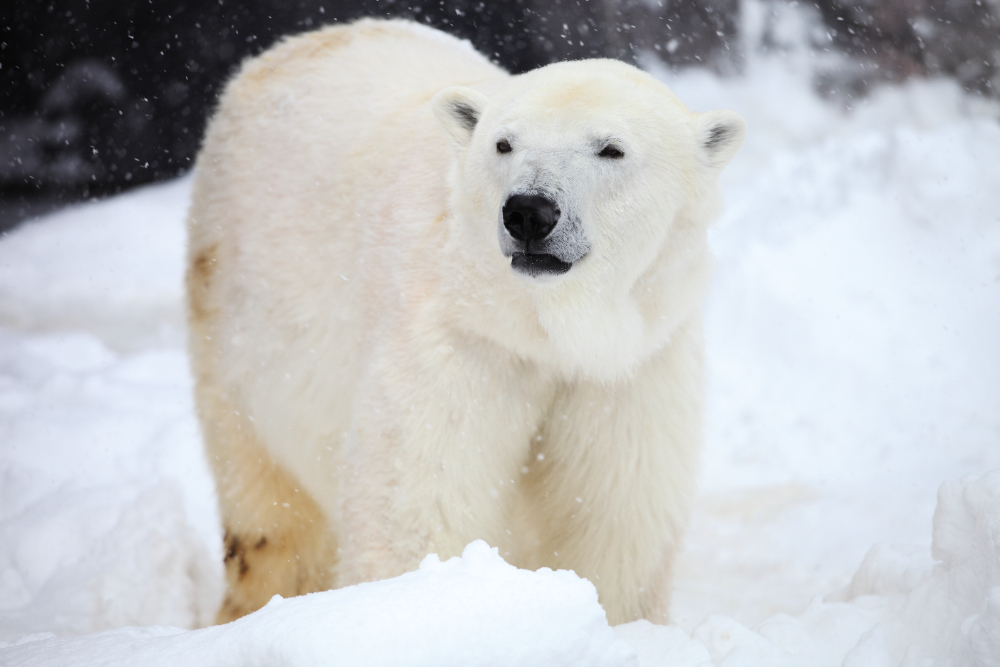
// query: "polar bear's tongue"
[[538, 265]]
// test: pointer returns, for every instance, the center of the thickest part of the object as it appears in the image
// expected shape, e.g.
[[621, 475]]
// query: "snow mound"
[[107, 514], [473, 610], [79, 270], [954, 611], [892, 613], [478, 610]]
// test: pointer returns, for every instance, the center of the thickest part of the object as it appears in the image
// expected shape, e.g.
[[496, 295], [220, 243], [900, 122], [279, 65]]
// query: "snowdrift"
[[478, 610]]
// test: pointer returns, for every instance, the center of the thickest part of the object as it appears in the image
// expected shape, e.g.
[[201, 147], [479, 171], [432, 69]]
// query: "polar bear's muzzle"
[[531, 235]]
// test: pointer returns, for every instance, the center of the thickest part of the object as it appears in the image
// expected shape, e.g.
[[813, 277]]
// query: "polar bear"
[[431, 302]]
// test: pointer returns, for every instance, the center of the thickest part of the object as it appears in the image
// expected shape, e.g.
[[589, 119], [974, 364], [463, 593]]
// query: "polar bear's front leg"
[[612, 487], [434, 456]]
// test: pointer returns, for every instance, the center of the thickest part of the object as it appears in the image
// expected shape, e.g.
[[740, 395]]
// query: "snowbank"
[[892, 614], [852, 353], [474, 610], [81, 270], [477, 610], [853, 368]]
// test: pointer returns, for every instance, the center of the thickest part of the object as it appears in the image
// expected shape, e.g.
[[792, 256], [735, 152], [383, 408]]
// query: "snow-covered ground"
[[854, 361]]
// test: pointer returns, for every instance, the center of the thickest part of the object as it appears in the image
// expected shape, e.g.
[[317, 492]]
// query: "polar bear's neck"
[[600, 335], [602, 338], [597, 324]]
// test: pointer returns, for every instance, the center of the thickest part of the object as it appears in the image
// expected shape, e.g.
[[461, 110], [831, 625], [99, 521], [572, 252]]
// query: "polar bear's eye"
[[611, 152], [503, 146]]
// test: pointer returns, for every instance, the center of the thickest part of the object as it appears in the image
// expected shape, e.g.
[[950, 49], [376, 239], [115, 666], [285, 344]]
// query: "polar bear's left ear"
[[458, 109], [720, 134]]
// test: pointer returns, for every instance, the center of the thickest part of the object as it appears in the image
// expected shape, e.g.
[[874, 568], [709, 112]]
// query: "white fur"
[[384, 352]]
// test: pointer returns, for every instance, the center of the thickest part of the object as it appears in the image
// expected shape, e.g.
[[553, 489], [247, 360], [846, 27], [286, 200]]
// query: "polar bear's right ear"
[[721, 134], [458, 109]]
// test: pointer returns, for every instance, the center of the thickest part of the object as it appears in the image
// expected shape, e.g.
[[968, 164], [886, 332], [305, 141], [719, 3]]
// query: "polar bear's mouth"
[[538, 265]]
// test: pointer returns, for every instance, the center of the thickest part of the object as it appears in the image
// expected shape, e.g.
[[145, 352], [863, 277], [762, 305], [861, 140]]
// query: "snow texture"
[[473, 610], [854, 371]]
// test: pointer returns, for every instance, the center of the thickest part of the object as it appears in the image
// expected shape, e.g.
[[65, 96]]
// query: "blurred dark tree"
[[903, 38], [524, 34], [98, 95]]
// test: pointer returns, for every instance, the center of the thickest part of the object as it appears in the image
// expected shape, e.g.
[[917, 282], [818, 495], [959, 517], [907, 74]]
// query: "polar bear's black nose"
[[530, 217]]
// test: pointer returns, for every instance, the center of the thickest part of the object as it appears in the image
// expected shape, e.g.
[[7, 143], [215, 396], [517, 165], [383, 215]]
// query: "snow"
[[847, 515], [484, 611], [852, 345]]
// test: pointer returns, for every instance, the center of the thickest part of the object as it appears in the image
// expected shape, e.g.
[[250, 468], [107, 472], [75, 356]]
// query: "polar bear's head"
[[588, 180]]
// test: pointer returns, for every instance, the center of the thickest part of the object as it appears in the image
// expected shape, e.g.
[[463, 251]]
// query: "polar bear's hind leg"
[[277, 539]]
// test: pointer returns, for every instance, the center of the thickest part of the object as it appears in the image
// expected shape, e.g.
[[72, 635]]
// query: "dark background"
[[98, 95]]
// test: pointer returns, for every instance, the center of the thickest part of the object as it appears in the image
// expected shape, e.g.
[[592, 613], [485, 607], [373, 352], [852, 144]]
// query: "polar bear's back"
[[290, 185]]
